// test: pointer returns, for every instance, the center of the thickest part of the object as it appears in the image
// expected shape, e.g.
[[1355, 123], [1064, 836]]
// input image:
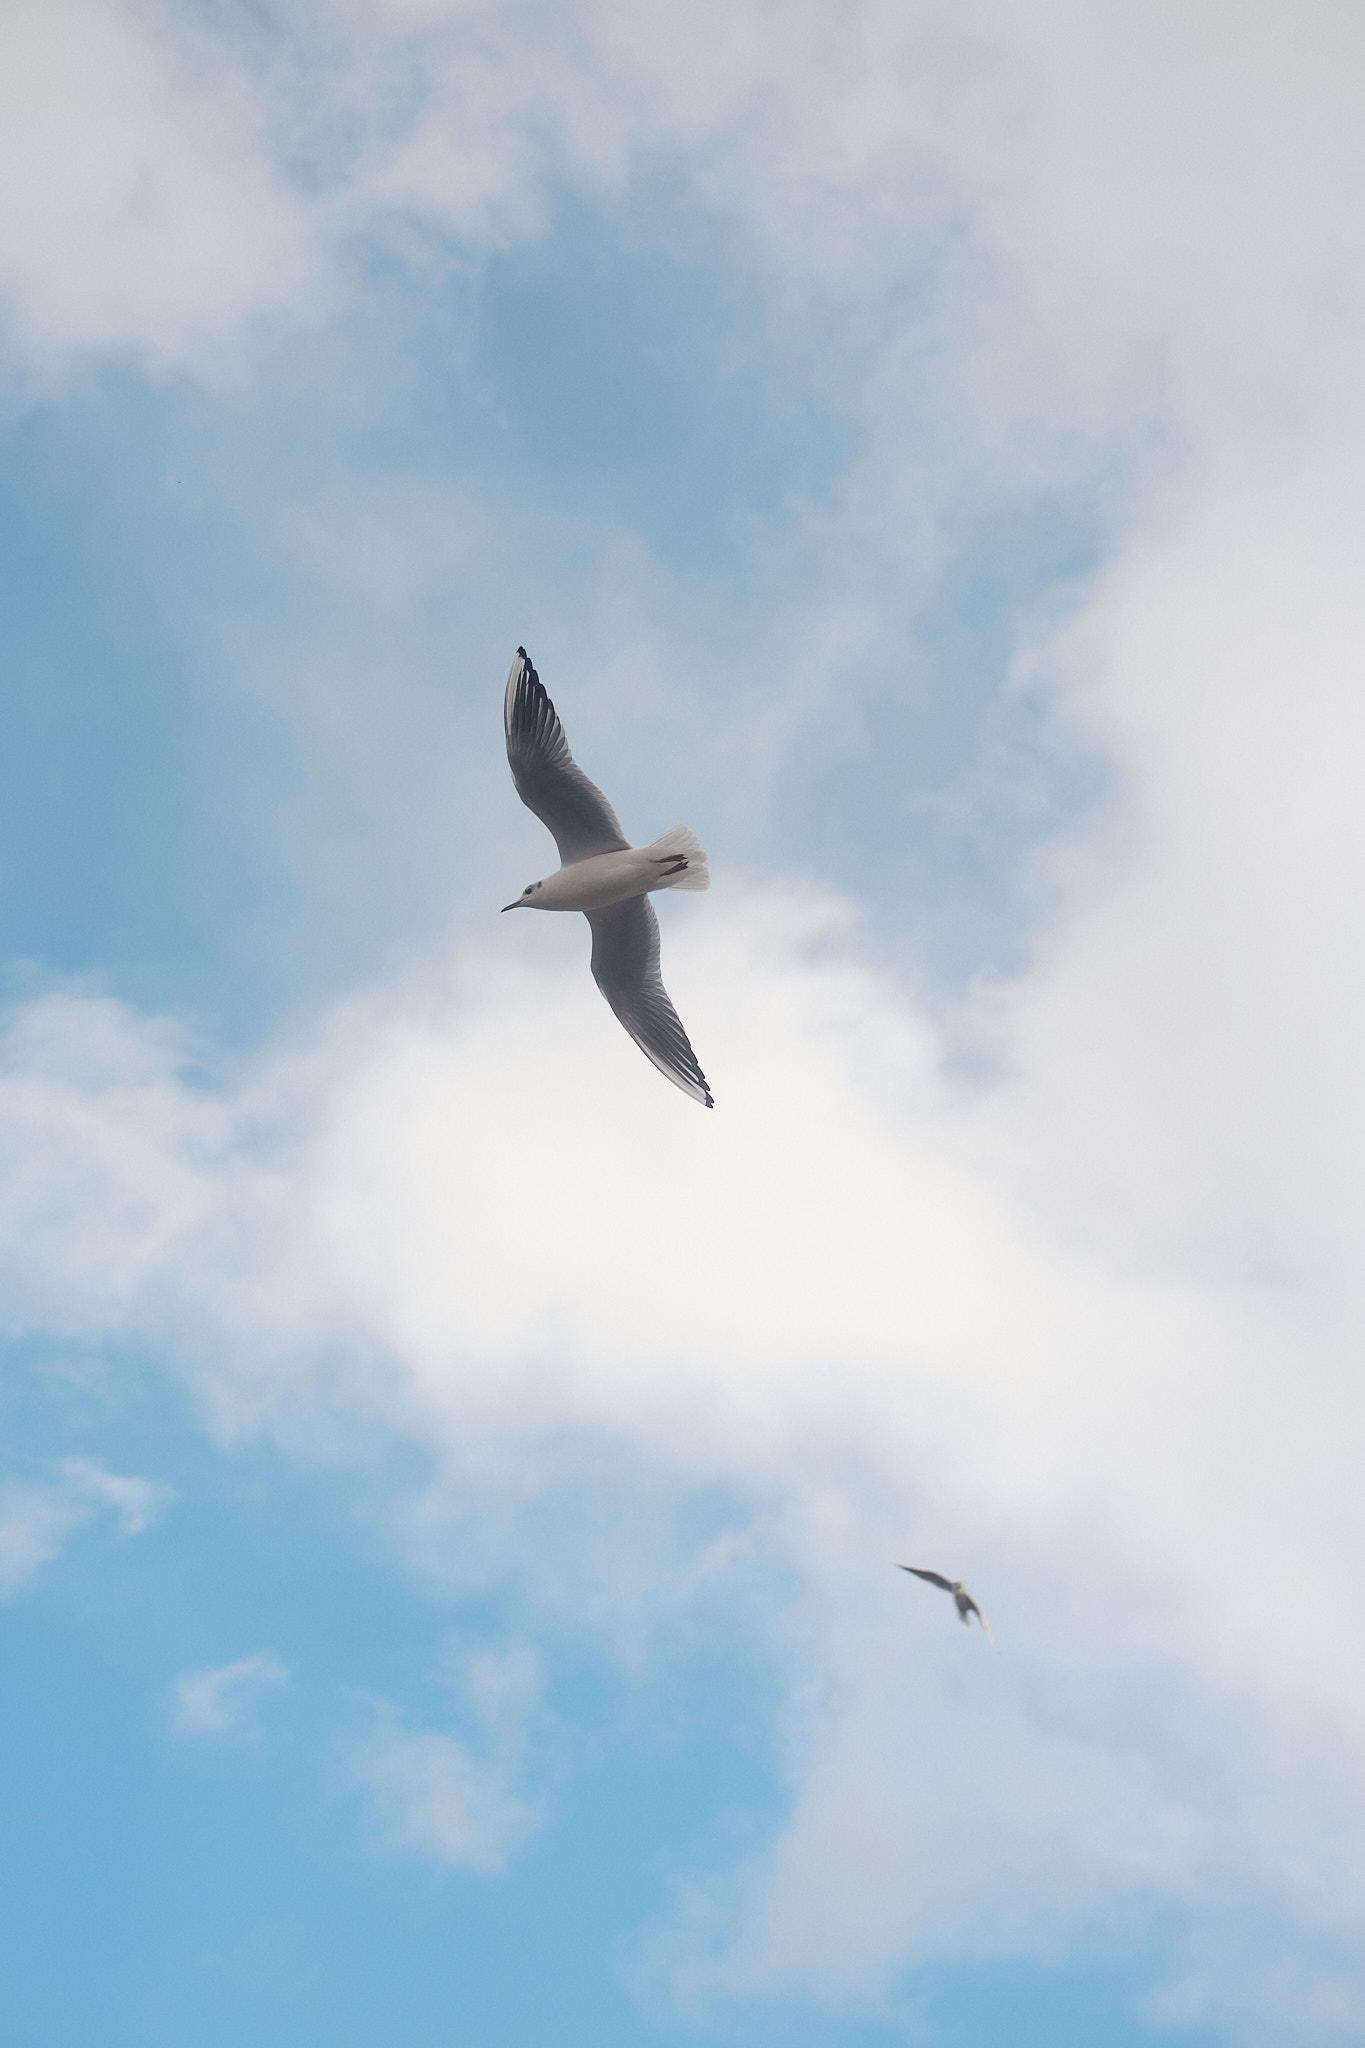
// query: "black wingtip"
[[695, 1081], [528, 708]]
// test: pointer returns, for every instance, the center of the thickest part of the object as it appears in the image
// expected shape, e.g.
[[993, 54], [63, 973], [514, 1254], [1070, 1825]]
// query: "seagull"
[[604, 876], [965, 1603]]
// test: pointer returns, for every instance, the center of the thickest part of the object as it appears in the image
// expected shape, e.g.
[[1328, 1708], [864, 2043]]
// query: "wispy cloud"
[[456, 1801], [38, 1516], [224, 1699], [431, 1795], [35, 1522], [138, 1504]]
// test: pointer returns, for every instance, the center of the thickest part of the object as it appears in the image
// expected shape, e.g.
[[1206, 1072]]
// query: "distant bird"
[[965, 1603], [604, 876]]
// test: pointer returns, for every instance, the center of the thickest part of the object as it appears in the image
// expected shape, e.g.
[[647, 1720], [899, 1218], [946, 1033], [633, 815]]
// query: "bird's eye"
[[529, 887]]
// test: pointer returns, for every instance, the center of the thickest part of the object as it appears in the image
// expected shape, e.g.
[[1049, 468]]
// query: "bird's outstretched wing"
[[980, 1617], [934, 1578], [549, 780], [625, 966]]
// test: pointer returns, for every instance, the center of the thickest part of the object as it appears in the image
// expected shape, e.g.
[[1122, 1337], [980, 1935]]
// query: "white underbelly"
[[606, 878]]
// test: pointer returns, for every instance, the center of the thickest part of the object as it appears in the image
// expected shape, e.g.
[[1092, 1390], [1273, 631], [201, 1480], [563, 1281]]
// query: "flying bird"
[[963, 1599], [604, 876]]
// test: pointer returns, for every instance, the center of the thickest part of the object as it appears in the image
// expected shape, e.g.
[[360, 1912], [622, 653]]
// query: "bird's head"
[[526, 900]]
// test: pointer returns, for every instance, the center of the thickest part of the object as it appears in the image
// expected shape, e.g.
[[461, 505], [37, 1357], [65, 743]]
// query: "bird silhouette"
[[962, 1598]]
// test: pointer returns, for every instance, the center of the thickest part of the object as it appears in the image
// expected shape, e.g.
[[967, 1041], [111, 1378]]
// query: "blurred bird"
[[964, 1601], [604, 876]]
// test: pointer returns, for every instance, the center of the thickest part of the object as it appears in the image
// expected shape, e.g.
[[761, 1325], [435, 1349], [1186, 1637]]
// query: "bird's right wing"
[[549, 780], [966, 1605], [934, 1578], [625, 966]]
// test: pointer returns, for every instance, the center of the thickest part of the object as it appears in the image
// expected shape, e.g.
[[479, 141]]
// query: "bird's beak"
[[513, 906]]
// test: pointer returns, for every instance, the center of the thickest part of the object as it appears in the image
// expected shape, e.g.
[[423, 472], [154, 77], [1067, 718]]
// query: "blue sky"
[[449, 1484]]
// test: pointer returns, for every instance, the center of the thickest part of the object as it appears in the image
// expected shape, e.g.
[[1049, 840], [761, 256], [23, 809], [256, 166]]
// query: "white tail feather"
[[684, 847]]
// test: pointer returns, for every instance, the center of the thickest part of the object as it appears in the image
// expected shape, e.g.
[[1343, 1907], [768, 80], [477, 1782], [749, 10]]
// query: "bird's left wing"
[[625, 966], [549, 781], [934, 1578]]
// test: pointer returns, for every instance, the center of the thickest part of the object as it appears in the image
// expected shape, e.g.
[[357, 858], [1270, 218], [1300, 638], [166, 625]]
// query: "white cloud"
[[890, 1316], [143, 212], [35, 1522], [1111, 213], [37, 1516], [433, 1798], [434, 1795], [1088, 1332], [223, 1699]]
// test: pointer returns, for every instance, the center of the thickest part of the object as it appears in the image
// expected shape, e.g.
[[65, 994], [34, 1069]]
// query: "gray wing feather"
[[981, 1618], [549, 780], [625, 966], [934, 1578]]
